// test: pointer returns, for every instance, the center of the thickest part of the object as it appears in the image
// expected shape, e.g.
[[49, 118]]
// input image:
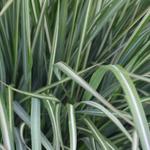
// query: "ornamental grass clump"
[[74, 74]]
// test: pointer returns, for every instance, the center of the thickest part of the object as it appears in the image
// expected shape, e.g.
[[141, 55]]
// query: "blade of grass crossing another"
[[31, 94], [94, 83], [98, 136], [39, 25], [69, 72]]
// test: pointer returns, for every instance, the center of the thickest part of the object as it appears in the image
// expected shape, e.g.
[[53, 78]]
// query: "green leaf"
[[50, 109], [5, 128], [5, 7], [35, 124], [72, 127]]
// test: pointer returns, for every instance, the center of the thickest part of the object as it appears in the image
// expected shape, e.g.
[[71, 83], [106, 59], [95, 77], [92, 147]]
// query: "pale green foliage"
[[75, 74]]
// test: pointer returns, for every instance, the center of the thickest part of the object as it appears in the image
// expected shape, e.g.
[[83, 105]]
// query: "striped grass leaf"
[[35, 124], [16, 38], [58, 124], [50, 107], [26, 52], [11, 114], [5, 7], [98, 136], [36, 34], [72, 127], [5, 128], [135, 144]]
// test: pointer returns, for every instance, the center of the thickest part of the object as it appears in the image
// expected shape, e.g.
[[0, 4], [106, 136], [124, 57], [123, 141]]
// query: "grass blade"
[[11, 114], [135, 144], [35, 125], [58, 123], [72, 127], [5, 126], [50, 109], [6, 6]]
